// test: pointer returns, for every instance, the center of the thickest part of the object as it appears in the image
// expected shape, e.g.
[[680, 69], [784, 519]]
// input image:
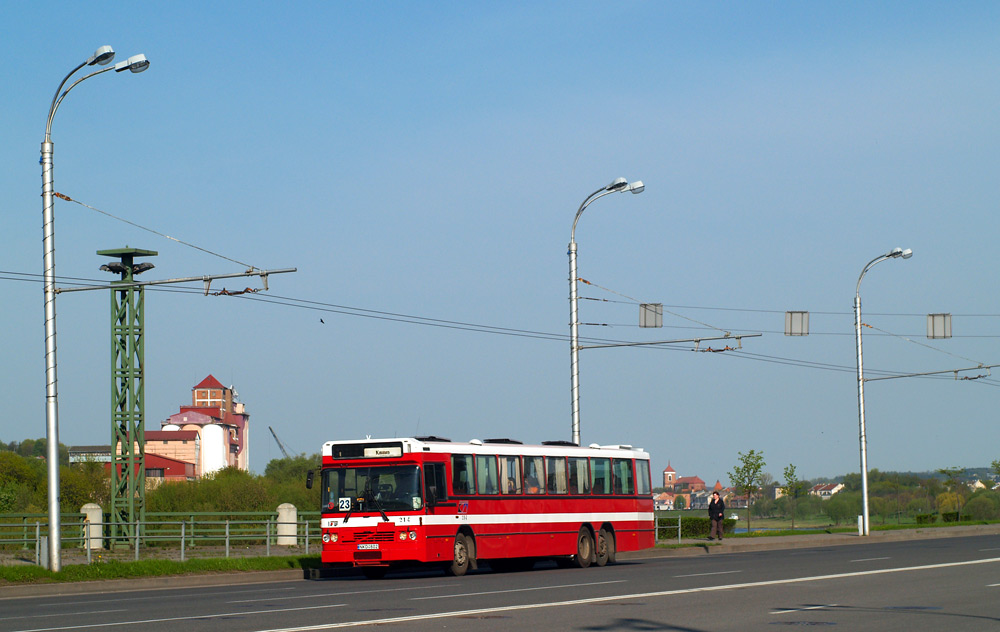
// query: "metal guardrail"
[[661, 524], [187, 530]]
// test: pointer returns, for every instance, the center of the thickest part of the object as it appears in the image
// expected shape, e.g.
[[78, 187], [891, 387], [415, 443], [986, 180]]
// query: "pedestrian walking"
[[716, 513]]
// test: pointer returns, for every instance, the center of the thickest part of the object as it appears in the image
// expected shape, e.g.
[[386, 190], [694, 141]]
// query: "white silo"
[[170, 427], [214, 448]]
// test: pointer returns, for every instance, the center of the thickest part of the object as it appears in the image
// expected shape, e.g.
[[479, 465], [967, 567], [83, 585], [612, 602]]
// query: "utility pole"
[[128, 458]]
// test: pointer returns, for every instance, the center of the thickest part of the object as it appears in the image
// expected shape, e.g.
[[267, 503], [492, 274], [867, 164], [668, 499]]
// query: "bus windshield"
[[391, 488]]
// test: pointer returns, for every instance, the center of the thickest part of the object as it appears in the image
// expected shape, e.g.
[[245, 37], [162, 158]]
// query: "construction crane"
[[281, 446]]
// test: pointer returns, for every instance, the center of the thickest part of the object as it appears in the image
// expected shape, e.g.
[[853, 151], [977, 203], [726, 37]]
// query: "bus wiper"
[[371, 497]]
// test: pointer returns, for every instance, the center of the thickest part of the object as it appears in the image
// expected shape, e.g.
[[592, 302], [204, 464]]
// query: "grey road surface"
[[944, 584]]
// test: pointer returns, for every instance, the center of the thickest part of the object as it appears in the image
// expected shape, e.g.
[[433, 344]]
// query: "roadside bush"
[[949, 516], [693, 527], [926, 518], [981, 508]]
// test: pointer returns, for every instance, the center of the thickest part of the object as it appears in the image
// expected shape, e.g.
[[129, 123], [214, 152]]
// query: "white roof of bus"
[[476, 446]]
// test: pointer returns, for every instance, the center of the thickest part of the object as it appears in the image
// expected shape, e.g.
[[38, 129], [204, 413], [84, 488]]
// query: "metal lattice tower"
[[128, 467]]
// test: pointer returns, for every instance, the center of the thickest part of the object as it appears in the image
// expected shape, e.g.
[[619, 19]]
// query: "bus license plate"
[[367, 547]]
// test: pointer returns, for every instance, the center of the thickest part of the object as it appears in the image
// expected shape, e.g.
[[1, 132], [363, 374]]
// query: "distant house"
[[733, 498], [664, 501], [89, 454], [826, 490]]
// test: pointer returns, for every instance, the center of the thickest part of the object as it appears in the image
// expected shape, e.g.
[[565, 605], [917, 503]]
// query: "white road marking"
[[870, 559], [707, 574], [992, 585], [514, 590], [159, 598], [61, 614], [829, 605], [993, 549], [206, 617], [339, 594], [611, 598]]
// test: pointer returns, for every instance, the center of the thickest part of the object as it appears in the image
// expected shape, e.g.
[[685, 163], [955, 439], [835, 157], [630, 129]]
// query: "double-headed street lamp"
[[101, 57], [619, 185], [895, 253]]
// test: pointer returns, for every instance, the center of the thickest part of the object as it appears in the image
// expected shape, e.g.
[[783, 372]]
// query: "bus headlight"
[[402, 535], [334, 537], [413, 535], [326, 537]]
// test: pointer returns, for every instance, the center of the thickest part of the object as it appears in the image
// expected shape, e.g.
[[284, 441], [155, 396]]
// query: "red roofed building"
[[669, 474], [212, 433]]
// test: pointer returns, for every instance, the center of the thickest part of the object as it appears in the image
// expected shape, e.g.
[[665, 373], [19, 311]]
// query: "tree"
[[792, 488], [746, 476], [679, 502], [953, 479], [995, 467]]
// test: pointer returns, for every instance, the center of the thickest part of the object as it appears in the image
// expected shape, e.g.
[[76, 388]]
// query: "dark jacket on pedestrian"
[[716, 509]]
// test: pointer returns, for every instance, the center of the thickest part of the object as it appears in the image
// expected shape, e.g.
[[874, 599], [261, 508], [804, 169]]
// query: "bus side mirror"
[[309, 479], [432, 496]]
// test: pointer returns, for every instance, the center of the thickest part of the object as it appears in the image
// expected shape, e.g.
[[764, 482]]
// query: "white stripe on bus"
[[492, 519]]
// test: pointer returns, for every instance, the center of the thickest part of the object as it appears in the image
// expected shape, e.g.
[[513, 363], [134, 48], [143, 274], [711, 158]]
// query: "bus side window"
[[461, 473], [510, 475], [643, 484], [600, 476], [623, 481], [579, 479], [534, 472], [556, 474], [486, 467], [434, 478]]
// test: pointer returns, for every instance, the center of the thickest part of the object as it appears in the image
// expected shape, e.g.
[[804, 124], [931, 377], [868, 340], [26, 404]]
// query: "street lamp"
[[617, 186], [895, 253], [101, 57]]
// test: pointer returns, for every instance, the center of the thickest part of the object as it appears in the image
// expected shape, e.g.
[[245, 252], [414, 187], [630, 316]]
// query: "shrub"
[[982, 507], [949, 516], [926, 518], [692, 527]]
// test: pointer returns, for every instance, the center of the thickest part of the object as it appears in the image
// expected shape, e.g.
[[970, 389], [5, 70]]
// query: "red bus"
[[427, 500]]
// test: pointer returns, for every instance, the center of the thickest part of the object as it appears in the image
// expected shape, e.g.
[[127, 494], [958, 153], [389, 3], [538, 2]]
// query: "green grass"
[[152, 568]]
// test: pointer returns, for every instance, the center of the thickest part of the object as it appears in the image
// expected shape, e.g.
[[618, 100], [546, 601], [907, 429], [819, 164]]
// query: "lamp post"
[[101, 57], [619, 185], [895, 253]]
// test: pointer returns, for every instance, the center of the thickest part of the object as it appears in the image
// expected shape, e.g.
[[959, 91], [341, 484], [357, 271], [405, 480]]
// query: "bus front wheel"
[[460, 564], [584, 548]]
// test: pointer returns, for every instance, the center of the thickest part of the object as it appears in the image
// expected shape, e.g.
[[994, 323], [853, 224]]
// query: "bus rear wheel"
[[460, 564], [584, 548], [605, 548]]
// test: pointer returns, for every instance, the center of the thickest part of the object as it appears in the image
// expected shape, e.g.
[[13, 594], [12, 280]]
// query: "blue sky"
[[427, 159]]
